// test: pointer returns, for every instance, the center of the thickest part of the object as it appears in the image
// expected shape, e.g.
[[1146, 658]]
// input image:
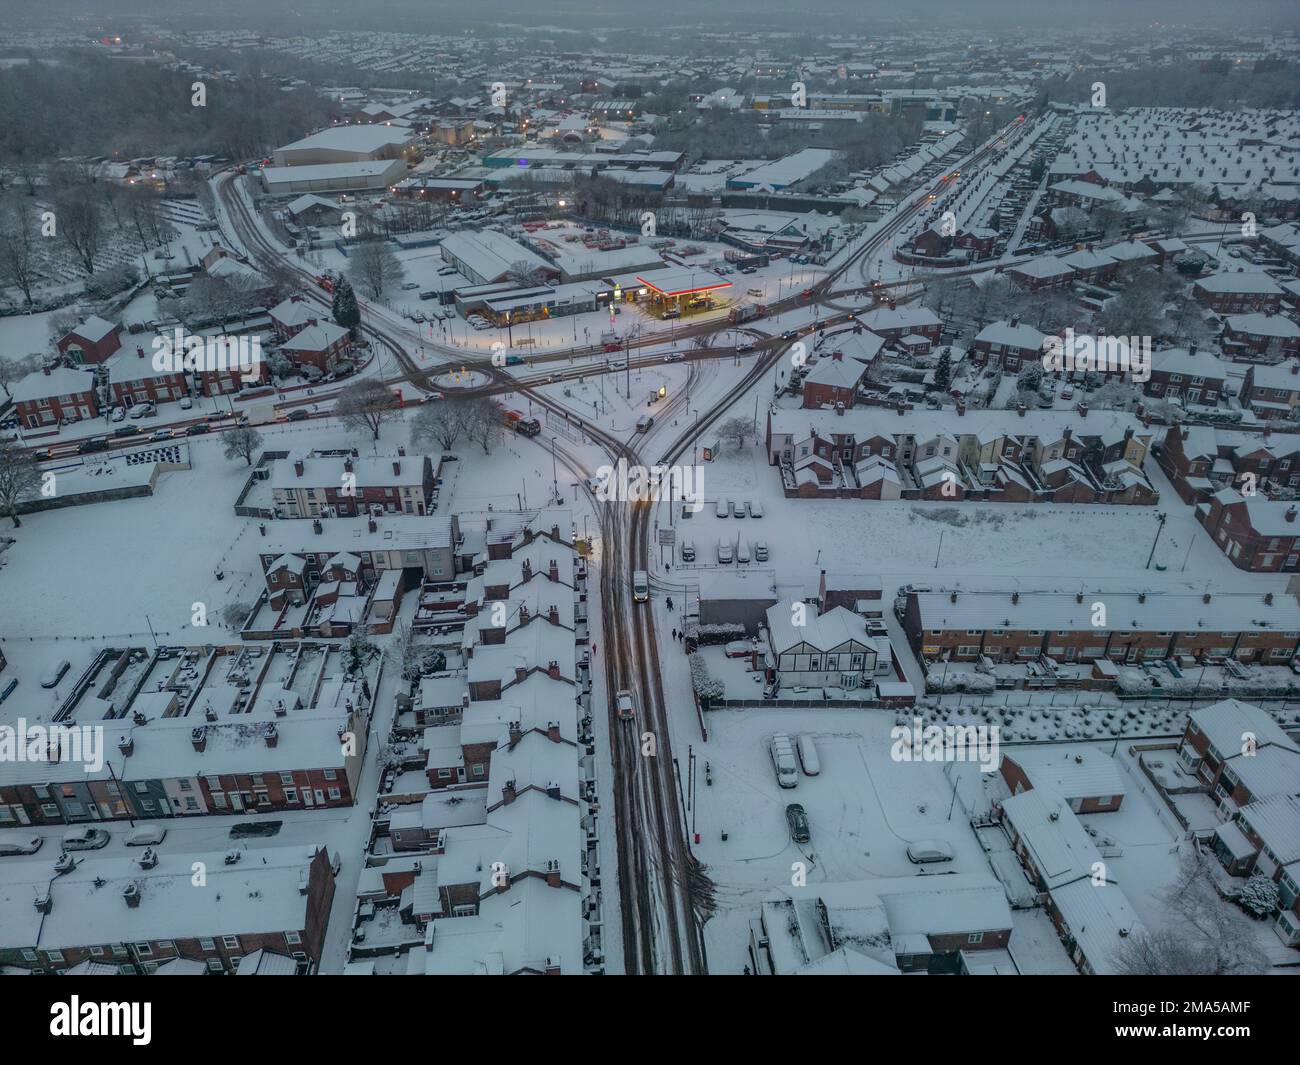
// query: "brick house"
[[1201, 460], [1008, 344], [1257, 534], [274, 899], [1044, 272], [833, 381], [93, 341], [1088, 780], [1265, 336], [320, 343], [305, 486], [1185, 375], [1272, 391], [893, 323], [1238, 293], [133, 379], [53, 395]]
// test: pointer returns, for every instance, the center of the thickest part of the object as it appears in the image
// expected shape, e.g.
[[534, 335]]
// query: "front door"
[[236, 800]]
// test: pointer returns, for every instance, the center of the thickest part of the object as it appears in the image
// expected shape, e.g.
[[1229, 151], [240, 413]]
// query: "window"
[[187, 785], [444, 774], [55, 957], [219, 801], [214, 965], [96, 952], [29, 955], [141, 787], [290, 794], [230, 942], [478, 770], [207, 944], [331, 774], [335, 794], [143, 949], [975, 937], [292, 938]]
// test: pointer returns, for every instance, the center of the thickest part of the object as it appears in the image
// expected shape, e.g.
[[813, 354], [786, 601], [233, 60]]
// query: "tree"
[[80, 222], [483, 422], [12, 370], [737, 430], [374, 267], [235, 614], [359, 649], [20, 477], [943, 372], [19, 261], [345, 309], [1205, 937], [243, 442], [440, 422], [366, 405]]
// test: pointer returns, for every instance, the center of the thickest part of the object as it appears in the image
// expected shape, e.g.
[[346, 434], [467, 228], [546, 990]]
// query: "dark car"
[[299, 415], [95, 443], [127, 430], [41, 454], [798, 821], [197, 428]]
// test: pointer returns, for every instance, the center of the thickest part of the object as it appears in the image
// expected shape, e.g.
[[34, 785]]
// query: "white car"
[[624, 703], [929, 850], [146, 836], [723, 508], [118, 413], [755, 508], [84, 838], [20, 846]]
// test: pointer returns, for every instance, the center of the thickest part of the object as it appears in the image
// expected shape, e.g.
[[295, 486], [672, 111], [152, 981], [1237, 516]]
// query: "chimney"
[[316, 526], [148, 859], [553, 866], [371, 524], [1205, 598], [297, 467], [45, 370], [552, 966], [837, 356], [397, 468], [553, 615], [553, 731], [1020, 409], [131, 893], [1015, 321], [508, 792], [961, 407], [401, 450], [839, 407], [1268, 598], [520, 673], [126, 744], [199, 737], [1295, 368], [1191, 349], [552, 789], [516, 732], [347, 464], [1142, 597], [1015, 597], [1083, 410], [553, 571], [261, 527], [139, 351], [1290, 514], [43, 902], [295, 298], [553, 667], [523, 613], [527, 570], [555, 532], [272, 735]]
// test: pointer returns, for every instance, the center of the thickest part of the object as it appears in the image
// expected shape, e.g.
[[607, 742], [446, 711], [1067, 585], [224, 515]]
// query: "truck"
[[516, 421], [747, 314]]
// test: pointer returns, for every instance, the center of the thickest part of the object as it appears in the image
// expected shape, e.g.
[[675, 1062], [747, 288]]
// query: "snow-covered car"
[[624, 704], [21, 845], [146, 836], [738, 649], [929, 850]]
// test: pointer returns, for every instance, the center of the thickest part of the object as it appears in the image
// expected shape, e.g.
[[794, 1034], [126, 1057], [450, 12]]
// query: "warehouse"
[[784, 172], [333, 177], [344, 144], [591, 264], [487, 257], [451, 190], [584, 161]]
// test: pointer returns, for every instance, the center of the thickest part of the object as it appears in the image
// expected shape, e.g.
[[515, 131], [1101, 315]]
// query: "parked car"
[[84, 838], [28, 845], [782, 752], [52, 678], [760, 550], [797, 819], [808, 755], [724, 552], [146, 836], [742, 553], [118, 414], [929, 850], [738, 649], [197, 429], [624, 703], [723, 508], [142, 410], [688, 553], [755, 508], [737, 508], [186, 403]]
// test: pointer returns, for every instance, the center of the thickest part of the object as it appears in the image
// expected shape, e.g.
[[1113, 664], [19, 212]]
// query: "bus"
[[640, 586]]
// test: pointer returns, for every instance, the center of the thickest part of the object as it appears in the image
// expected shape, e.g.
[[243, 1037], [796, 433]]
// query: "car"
[[929, 850], [738, 508], [688, 554], [40, 454], [744, 349], [299, 414], [724, 552], [186, 403], [755, 508], [146, 836], [760, 550], [640, 586], [127, 430], [782, 752], [742, 553], [797, 819], [738, 649], [95, 443], [158, 436], [790, 334], [808, 755], [52, 678], [197, 429], [722, 508], [618, 364], [141, 410], [84, 838], [410, 286], [675, 356], [118, 414], [29, 845], [625, 705], [672, 312]]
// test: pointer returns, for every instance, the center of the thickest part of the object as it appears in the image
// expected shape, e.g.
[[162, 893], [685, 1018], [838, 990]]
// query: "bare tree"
[[19, 478], [366, 405], [737, 430], [440, 422], [19, 260], [79, 221], [242, 443], [483, 422], [374, 267], [12, 370]]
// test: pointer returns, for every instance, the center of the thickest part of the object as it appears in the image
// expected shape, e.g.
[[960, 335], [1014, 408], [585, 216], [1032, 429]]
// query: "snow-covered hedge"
[[706, 686], [960, 681], [712, 634]]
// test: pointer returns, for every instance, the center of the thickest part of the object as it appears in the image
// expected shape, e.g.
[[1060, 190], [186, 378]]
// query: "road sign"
[[667, 537]]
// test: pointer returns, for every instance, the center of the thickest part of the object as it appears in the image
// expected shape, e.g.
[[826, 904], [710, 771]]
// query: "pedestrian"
[[670, 602], [674, 634]]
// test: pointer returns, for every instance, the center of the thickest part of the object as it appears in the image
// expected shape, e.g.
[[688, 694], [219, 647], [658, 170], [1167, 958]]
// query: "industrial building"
[[333, 177], [344, 144], [487, 257]]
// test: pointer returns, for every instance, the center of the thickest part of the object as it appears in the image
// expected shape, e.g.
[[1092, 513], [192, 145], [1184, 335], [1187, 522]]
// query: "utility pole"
[[1161, 518]]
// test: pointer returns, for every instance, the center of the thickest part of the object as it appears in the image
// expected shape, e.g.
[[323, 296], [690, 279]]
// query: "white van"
[[742, 553], [52, 678], [724, 552], [808, 755], [640, 586], [782, 751], [643, 423], [688, 550]]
